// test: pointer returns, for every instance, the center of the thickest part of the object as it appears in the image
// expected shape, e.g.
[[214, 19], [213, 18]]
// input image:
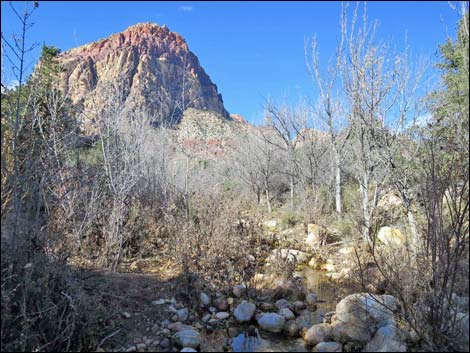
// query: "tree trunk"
[[338, 182], [267, 200], [365, 206], [291, 180]]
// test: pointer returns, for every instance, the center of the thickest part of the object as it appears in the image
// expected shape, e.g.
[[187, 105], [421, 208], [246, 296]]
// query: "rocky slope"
[[146, 67]]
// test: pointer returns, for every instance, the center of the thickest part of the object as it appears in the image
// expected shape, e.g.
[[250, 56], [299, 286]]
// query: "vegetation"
[[71, 202]]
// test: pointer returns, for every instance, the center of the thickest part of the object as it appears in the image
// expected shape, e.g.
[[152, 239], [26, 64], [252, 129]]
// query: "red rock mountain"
[[146, 67]]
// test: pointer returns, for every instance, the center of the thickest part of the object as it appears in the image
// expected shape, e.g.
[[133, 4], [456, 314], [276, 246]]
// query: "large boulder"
[[359, 315], [352, 330], [244, 311], [387, 339], [391, 236], [271, 322], [317, 333], [187, 338], [368, 308]]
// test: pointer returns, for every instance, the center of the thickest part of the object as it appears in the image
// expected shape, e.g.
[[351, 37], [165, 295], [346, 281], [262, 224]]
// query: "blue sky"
[[251, 50]]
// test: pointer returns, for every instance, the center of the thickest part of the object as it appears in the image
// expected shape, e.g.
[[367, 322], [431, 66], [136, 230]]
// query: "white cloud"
[[186, 8]]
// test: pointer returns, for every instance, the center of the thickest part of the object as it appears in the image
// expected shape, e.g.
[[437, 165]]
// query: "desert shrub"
[[44, 307]]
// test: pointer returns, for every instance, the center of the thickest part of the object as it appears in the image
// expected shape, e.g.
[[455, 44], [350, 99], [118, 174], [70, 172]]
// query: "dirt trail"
[[127, 298]]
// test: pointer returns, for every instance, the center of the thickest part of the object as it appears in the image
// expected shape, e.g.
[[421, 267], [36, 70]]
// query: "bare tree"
[[329, 108]]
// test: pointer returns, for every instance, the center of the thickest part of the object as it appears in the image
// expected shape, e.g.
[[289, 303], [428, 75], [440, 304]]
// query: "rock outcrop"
[[144, 68]]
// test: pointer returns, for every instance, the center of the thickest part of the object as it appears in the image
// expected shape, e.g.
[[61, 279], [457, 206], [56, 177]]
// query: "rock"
[[206, 318], [329, 267], [212, 309], [159, 302], [230, 300], [187, 338], [205, 300], [178, 326], [387, 339], [313, 263], [298, 306], [352, 330], [272, 322], [346, 250], [391, 236], [221, 304], [314, 236], [232, 332], [222, 315], [311, 299], [126, 315], [187, 349], [371, 309], [270, 224], [291, 328], [317, 334], [182, 314], [244, 311], [289, 255], [328, 347], [239, 290], [307, 319], [266, 306], [144, 59], [165, 343], [283, 303], [287, 314]]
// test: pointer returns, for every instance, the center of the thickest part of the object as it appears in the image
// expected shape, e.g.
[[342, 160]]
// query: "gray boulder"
[[387, 339], [244, 311], [271, 322], [317, 334]]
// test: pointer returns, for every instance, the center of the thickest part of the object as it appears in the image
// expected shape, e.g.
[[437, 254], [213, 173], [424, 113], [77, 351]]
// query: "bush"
[[44, 307]]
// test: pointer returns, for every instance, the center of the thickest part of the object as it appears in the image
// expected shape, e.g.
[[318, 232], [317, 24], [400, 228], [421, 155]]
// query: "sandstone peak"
[[153, 67]]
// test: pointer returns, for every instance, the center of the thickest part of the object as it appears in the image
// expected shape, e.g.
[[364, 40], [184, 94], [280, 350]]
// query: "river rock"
[[221, 304], [178, 326], [289, 255], [239, 290], [187, 338], [244, 311], [371, 309], [298, 306], [187, 349], [307, 319], [265, 306], [317, 333], [222, 315], [328, 347], [387, 339], [182, 314], [205, 300], [291, 328], [283, 304], [352, 329], [272, 322], [287, 314], [311, 299]]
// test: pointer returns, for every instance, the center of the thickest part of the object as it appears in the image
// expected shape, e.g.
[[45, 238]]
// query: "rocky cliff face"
[[146, 67]]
